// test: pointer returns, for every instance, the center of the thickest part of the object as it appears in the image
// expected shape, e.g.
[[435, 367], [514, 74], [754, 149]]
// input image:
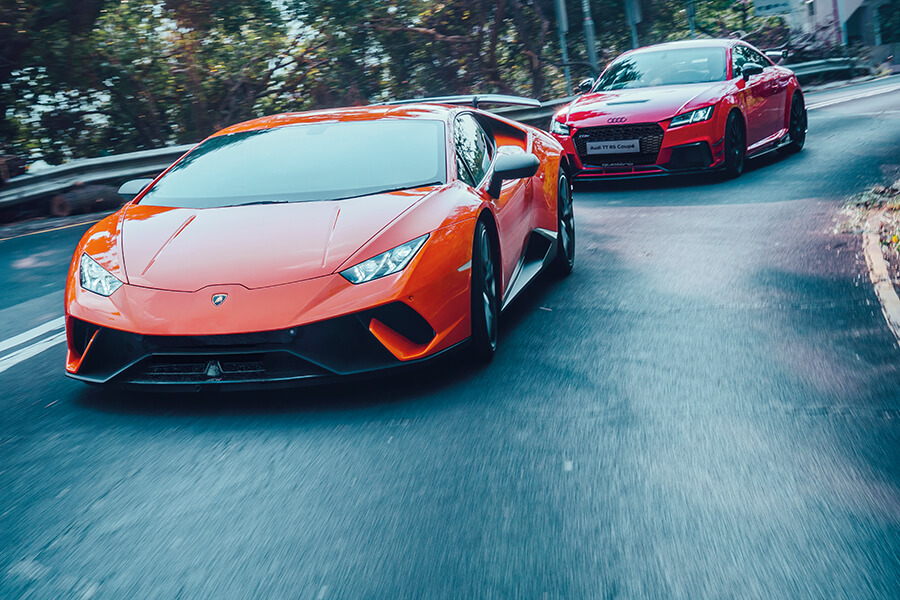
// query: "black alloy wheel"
[[565, 231], [485, 295], [797, 126], [735, 146]]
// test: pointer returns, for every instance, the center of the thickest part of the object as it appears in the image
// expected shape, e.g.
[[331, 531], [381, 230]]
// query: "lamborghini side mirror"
[[132, 188], [512, 166]]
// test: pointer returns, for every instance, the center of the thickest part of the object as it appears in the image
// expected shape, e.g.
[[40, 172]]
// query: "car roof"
[[706, 43], [435, 112]]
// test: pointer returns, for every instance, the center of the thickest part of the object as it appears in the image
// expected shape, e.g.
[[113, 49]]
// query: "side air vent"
[[404, 320], [82, 332]]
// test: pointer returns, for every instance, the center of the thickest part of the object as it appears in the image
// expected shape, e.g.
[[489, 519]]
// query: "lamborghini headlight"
[[95, 278], [558, 128], [385, 263], [694, 116]]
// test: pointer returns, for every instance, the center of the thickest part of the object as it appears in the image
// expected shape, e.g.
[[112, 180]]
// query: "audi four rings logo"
[[218, 299], [617, 119]]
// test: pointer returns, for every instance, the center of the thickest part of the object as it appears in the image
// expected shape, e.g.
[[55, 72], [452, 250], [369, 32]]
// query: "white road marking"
[[33, 350], [859, 96], [32, 333]]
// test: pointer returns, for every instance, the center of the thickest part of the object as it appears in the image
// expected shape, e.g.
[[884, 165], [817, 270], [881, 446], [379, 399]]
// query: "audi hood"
[[641, 105]]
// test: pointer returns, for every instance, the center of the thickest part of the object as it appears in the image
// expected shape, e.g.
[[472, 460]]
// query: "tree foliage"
[[89, 77]]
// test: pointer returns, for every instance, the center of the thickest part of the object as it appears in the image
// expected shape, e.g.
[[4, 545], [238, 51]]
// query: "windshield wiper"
[[263, 202], [389, 190], [362, 193]]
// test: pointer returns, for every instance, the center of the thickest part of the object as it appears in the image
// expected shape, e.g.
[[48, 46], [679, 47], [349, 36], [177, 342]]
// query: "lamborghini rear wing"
[[473, 99]]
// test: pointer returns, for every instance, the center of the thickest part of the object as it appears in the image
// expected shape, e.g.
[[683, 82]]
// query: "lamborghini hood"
[[642, 105], [254, 246]]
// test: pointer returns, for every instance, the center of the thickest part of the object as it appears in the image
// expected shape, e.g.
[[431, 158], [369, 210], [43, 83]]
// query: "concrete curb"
[[878, 272]]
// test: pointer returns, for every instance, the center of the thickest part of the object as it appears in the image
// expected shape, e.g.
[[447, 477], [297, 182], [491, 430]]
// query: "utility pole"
[[562, 23], [633, 16], [876, 22], [589, 36], [743, 8], [691, 12], [840, 22]]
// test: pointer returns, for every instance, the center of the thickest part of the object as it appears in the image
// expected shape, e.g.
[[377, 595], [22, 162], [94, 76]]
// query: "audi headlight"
[[558, 128], [386, 263], [694, 116], [95, 278]]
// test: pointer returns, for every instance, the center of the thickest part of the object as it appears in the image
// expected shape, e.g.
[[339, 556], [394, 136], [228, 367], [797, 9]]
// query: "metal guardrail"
[[55, 180], [816, 67], [532, 115]]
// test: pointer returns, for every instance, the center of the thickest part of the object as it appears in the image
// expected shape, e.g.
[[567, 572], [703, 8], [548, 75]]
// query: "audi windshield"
[[678, 66]]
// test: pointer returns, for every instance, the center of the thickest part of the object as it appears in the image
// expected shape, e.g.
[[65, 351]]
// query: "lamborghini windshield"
[[305, 163], [678, 66]]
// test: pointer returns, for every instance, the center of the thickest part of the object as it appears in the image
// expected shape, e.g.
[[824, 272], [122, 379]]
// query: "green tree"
[[41, 32], [90, 77], [150, 73]]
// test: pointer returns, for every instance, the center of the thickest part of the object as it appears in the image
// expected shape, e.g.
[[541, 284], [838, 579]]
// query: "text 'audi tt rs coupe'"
[[306, 246], [681, 107]]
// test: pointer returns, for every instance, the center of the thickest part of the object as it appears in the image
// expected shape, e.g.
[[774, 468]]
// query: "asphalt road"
[[709, 407]]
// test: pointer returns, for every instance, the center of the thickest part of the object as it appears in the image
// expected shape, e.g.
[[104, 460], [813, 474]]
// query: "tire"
[[485, 295], [796, 126], [735, 146], [565, 227]]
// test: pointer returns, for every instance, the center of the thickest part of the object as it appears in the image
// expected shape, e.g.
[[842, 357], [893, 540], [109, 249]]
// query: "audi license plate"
[[614, 147]]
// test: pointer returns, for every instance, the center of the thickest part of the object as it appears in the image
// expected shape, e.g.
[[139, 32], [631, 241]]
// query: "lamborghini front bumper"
[[332, 348], [305, 330]]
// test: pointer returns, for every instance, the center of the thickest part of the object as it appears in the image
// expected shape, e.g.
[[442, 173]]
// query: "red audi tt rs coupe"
[[313, 245], [679, 107]]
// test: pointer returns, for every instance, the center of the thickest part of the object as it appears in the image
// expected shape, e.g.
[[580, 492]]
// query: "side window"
[[758, 58], [473, 152], [738, 59], [463, 171]]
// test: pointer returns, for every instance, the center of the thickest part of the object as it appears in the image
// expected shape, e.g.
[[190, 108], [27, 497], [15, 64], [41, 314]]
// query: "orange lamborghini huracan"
[[319, 244]]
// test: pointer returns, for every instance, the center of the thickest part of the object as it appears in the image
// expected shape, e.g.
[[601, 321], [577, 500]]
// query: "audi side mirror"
[[751, 69], [512, 166], [130, 189], [586, 85]]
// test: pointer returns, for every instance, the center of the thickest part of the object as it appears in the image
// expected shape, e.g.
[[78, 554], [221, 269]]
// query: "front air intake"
[[403, 319], [650, 136]]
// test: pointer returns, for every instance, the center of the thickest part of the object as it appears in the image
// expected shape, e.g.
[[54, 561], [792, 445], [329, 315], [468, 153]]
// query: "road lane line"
[[867, 94], [32, 350], [21, 235], [32, 333]]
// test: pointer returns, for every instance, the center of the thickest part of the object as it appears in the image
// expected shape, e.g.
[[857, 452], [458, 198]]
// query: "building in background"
[[840, 22]]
